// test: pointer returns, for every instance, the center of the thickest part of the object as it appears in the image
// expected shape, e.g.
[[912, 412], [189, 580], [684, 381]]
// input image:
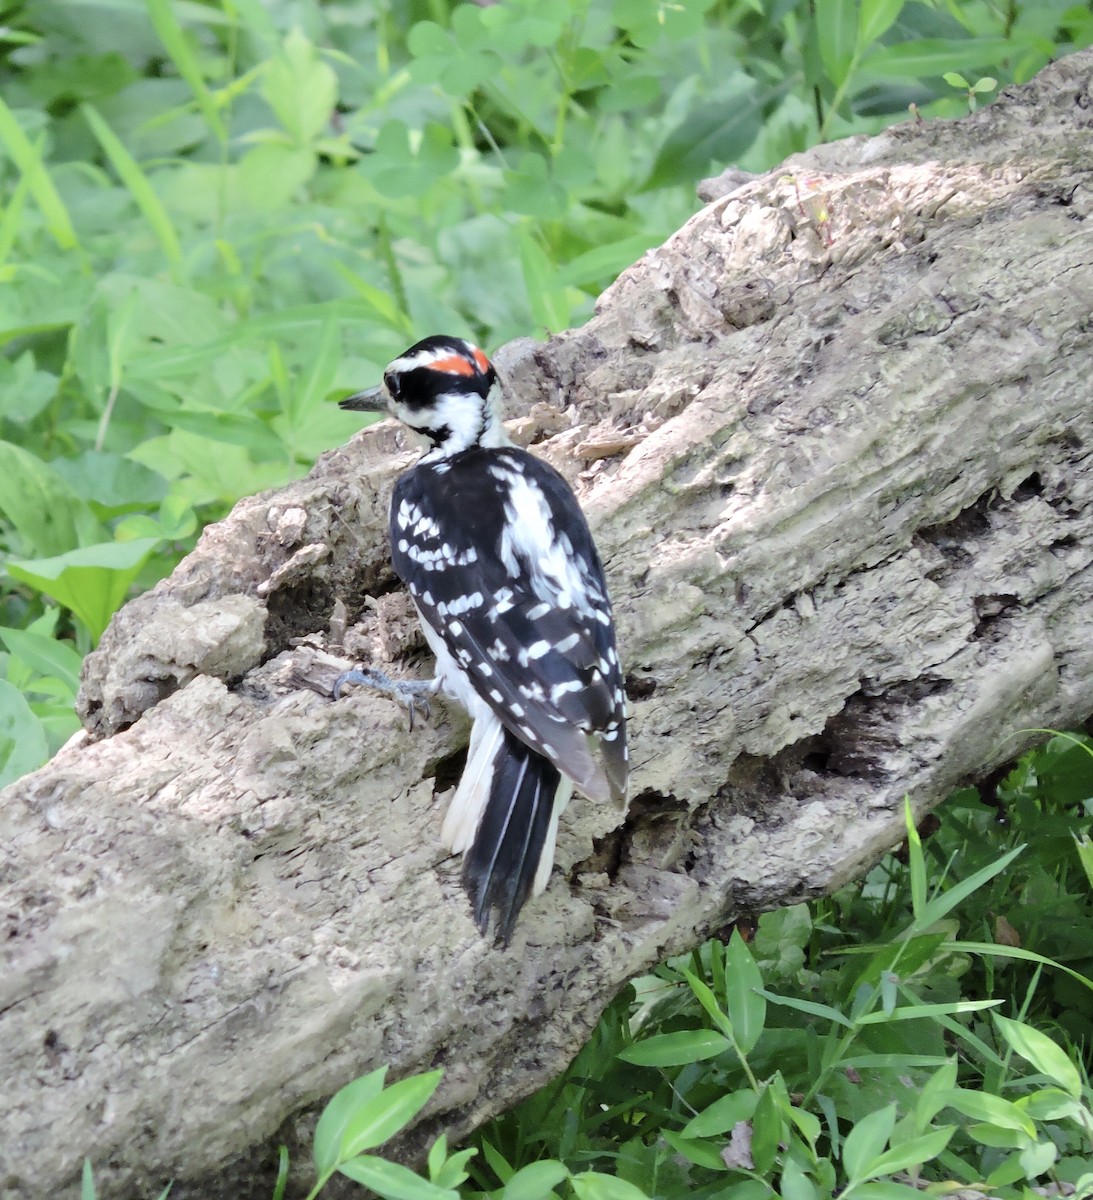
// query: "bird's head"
[[443, 387]]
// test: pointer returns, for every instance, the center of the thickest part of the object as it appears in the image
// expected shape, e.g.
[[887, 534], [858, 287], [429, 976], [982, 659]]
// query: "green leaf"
[[111, 484], [272, 176], [995, 1110], [916, 861], [548, 303], [24, 389], [1038, 1158], [721, 1115], [1008, 1171], [384, 1115], [318, 379], [92, 581], [717, 132], [935, 56], [795, 1184], [142, 191], [941, 906], [46, 513], [28, 160], [591, 1185], [300, 88], [866, 1142], [709, 1002], [438, 1152], [824, 1011], [46, 655], [744, 1000], [676, 1049], [453, 1172], [281, 1182], [87, 1181], [170, 33], [428, 38], [392, 1180], [767, 1129], [604, 262], [382, 304], [23, 743], [913, 1153], [498, 1163], [701, 1153], [237, 429], [885, 1190], [915, 1012], [935, 1093], [994, 950], [875, 19], [997, 1137], [1044, 1054], [837, 32], [533, 191], [904, 956], [534, 1181], [1049, 1104], [341, 1107]]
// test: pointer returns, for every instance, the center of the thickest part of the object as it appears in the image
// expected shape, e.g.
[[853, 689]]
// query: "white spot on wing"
[[561, 689], [535, 650]]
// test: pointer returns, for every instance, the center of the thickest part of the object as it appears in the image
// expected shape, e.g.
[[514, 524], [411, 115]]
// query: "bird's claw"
[[411, 693]]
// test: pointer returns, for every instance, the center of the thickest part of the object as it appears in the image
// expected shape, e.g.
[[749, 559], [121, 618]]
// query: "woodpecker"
[[510, 592]]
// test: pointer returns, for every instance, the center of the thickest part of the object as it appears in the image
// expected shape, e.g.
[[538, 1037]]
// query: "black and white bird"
[[510, 591]]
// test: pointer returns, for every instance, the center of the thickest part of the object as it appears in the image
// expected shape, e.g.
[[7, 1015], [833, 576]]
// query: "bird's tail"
[[515, 826]]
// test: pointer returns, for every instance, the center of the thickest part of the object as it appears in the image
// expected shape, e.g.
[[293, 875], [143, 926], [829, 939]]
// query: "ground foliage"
[[220, 217], [925, 1030], [931, 1025]]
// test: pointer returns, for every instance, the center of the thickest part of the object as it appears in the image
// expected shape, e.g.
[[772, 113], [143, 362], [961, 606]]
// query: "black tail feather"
[[499, 869]]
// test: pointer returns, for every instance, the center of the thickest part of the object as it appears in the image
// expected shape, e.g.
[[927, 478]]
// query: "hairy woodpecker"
[[510, 592]]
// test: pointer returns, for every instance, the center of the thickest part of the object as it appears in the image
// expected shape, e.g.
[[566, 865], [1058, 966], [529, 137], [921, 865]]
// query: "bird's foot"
[[413, 693]]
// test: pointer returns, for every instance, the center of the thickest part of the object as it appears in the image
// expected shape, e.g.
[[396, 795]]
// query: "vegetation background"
[[218, 217]]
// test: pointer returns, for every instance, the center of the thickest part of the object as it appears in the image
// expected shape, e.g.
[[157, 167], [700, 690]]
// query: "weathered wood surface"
[[849, 533]]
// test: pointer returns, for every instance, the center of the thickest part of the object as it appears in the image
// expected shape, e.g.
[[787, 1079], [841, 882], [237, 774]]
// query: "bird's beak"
[[370, 400]]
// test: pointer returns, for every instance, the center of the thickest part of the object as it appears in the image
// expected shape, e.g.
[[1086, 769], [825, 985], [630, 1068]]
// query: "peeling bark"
[[841, 480]]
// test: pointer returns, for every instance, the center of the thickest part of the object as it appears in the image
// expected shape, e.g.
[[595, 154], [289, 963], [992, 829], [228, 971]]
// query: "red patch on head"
[[455, 365], [482, 360]]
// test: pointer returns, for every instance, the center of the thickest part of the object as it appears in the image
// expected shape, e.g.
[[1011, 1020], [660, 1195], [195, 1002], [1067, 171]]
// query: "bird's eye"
[[391, 381]]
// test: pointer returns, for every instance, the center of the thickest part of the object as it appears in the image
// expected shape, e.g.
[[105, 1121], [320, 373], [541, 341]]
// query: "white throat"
[[469, 420]]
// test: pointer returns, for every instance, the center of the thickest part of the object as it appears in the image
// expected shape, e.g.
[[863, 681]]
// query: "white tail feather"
[[465, 811], [546, 861]]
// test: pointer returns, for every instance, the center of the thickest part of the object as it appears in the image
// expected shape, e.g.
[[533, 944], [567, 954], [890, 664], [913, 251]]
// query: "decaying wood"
[[846, 516]]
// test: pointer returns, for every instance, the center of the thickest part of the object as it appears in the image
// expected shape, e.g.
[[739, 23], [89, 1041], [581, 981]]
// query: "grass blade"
[[170, 33], [26, 157], [137, 183], [11, 218], [941, 906]]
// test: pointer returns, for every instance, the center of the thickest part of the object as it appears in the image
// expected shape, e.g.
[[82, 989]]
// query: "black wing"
[[501, 564]]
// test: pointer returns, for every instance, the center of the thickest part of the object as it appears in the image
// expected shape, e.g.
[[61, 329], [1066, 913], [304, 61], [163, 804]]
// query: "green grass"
[[927, 1028], [932, 1022]]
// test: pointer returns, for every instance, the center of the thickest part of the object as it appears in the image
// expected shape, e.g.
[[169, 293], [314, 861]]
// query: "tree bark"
[[838, 466]]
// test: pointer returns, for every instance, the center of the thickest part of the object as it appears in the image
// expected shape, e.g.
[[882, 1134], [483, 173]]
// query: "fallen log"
[[837, 457]]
